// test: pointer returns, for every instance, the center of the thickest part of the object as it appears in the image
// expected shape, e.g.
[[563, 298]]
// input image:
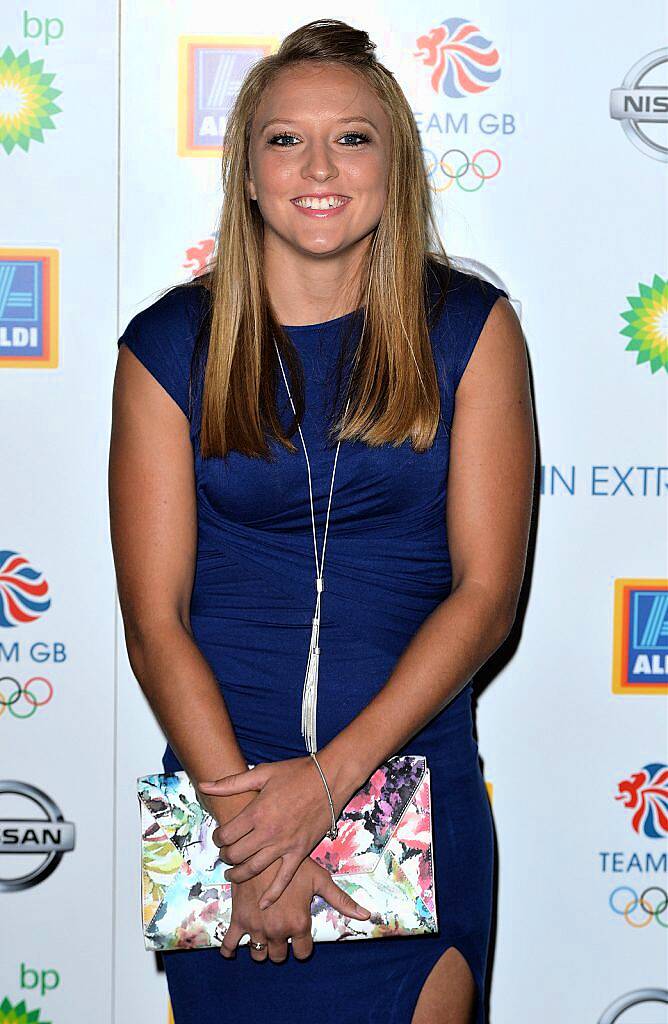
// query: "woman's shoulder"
[[177, 310], [460, 292], [459, 302], [163, 335]]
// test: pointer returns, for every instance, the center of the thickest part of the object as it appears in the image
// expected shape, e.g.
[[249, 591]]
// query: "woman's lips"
[[320, 213]]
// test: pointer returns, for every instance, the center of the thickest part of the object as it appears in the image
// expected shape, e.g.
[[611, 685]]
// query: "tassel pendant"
[[310, 691]]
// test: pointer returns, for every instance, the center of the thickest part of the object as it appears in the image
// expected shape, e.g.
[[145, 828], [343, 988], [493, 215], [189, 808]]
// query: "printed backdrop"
[[546, 142]]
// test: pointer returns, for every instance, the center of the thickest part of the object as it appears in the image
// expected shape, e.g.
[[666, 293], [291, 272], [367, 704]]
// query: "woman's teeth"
[[313, 203]]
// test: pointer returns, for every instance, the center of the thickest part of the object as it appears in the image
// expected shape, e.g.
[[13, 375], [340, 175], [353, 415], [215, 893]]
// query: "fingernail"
[[264, 904]]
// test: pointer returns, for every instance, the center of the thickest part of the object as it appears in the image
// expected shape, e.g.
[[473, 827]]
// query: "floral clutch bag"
[[382, 857]]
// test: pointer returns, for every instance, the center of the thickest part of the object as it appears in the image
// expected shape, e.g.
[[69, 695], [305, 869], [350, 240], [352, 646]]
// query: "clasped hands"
[[287, 819]]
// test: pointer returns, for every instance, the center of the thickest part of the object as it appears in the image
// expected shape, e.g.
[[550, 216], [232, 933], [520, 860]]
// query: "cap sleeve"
[[480, 296], [459, 304], [162, 337]]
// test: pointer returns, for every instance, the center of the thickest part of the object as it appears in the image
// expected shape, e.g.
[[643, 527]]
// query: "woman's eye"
[[274, 140], [281, 135], [359, 135]]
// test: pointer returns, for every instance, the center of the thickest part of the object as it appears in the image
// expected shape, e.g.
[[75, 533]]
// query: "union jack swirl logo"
[[464, 62], [646, 794], [23, 590]]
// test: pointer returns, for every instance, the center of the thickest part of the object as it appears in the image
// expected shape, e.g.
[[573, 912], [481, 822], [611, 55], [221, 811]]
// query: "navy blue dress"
[[386, 568]]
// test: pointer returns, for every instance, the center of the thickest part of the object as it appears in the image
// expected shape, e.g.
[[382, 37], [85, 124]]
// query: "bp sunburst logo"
[[26, 103], [647, 324], [18, 1014]]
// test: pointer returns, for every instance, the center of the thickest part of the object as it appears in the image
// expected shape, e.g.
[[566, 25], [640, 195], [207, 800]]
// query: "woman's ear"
[[250, 188]]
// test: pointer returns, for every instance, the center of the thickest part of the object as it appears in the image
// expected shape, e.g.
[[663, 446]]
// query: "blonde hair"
[[393, 384]]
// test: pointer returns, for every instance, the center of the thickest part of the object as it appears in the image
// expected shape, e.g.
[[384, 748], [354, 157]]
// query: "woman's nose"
[[319, 162]]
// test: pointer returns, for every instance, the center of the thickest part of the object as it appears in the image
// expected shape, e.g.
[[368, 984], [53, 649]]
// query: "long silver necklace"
[[310, 691]]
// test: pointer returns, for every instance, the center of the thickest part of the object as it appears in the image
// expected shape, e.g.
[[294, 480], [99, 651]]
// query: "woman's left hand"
[[287, 819]]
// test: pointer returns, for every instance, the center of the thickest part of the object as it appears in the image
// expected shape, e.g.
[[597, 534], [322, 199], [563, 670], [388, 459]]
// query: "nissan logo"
[[634, 104], [42, 834]]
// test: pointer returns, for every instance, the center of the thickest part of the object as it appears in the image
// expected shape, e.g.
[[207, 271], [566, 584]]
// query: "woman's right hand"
[[288, 916]]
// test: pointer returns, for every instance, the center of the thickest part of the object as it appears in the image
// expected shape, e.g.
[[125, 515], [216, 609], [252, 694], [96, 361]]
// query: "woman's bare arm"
[[153, 519], [490, 490]]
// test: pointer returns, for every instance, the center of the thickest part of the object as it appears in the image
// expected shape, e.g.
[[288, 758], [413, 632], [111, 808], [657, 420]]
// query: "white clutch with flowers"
[[382, 857]]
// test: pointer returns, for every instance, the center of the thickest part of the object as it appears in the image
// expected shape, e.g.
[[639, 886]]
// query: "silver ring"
[[258, 945]]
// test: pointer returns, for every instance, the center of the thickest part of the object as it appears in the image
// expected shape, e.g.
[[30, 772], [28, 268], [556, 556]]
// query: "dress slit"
[[408, 1000]]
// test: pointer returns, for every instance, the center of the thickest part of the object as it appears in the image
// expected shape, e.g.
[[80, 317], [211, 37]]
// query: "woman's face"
[[329, 135]]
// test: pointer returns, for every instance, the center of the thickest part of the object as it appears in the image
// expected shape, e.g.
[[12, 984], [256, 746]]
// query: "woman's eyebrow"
[[341, 120]]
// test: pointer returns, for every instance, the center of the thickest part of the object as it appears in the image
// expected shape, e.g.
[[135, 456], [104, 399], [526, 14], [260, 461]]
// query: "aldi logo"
[[211, 70], [640, 636], [29, 308]]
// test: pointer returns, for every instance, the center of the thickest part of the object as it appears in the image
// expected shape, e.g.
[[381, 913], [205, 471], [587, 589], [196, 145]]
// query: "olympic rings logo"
[[625, 910], [32, 700], [454, 166]]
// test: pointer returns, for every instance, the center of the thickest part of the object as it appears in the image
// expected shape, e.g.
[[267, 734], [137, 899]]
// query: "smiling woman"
[[327, 290], [329, 162]]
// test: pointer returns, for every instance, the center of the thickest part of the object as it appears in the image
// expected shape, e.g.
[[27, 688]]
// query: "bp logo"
[[19, 1014], [647, 324], [26, 100]]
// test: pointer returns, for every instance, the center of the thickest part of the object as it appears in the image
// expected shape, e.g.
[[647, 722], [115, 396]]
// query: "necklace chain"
[[310, 692]]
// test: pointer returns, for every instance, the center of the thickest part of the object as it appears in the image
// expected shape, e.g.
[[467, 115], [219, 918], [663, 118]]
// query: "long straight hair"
[[393, 385]]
